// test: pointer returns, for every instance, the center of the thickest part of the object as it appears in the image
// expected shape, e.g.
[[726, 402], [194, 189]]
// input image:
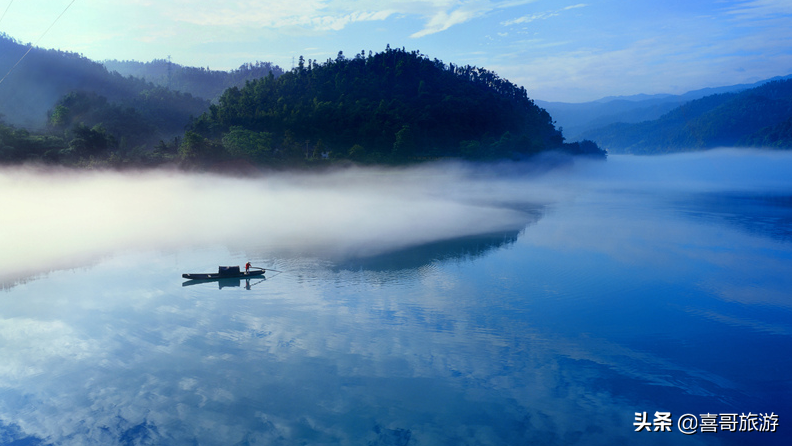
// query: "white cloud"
[[30, 347], [759, 9], [447, 14], [337, 23], [443, 20], [541, 15], [317, 14], [530, 18]]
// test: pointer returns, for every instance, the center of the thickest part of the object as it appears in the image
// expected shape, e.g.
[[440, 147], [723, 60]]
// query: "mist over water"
[[54, 218]]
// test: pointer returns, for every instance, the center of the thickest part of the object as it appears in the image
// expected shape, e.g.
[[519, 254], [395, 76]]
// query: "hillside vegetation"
[[390, 107], [757, 117]]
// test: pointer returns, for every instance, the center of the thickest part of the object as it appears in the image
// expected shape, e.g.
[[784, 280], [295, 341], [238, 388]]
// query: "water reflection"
[[765, 214], [416, 257], [224, 283]]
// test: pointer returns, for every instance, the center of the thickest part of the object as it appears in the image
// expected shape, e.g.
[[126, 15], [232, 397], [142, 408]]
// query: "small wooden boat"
[[224, 272]]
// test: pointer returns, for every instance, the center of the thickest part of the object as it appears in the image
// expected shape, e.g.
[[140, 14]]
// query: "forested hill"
[[390, 107], [758, 117], [197, 81]]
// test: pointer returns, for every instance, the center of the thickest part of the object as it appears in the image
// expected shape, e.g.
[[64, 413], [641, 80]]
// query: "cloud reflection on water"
[[299, 361]]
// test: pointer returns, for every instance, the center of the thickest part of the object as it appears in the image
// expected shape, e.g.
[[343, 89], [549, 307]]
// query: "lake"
[[441, 305]]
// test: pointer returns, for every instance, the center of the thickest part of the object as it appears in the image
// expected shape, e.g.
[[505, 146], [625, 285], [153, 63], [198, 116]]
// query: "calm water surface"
[[611, 302]]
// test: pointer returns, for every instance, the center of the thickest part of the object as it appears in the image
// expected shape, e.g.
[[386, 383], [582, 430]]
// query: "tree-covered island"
[[390, 107], [393, 107]]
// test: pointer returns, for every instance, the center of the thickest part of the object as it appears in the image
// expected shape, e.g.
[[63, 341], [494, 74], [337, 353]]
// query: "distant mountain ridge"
[[756, 117], [44, 77], [694, 94], [197, 81], [579, 118]]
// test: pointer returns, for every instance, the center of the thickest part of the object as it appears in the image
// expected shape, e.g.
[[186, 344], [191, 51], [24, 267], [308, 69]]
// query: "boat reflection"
[[227, 282]]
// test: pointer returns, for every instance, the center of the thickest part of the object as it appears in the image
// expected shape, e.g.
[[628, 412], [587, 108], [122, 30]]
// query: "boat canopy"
[[228, 270]]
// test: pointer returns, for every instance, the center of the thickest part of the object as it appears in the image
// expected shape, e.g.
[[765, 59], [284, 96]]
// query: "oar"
[[266, 269]]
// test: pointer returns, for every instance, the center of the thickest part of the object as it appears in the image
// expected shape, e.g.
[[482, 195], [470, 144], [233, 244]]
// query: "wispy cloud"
[[445, 19], [447, 14], [542, 15], [318, 14], [438, 15], [761, 9]]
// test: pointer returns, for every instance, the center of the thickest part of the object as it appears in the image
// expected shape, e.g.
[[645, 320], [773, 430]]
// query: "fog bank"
[[52, 219]]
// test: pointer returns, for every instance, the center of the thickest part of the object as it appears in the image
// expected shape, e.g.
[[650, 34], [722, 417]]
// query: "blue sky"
[[572, 51]]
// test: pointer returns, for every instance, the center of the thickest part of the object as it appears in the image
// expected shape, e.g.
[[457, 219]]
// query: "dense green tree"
[[20, 145], [194, 147], [247, 144], [777, 136], [92, 141], [404, 146]]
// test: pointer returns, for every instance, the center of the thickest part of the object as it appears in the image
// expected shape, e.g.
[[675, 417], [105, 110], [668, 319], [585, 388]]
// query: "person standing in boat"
[[247, 267]]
